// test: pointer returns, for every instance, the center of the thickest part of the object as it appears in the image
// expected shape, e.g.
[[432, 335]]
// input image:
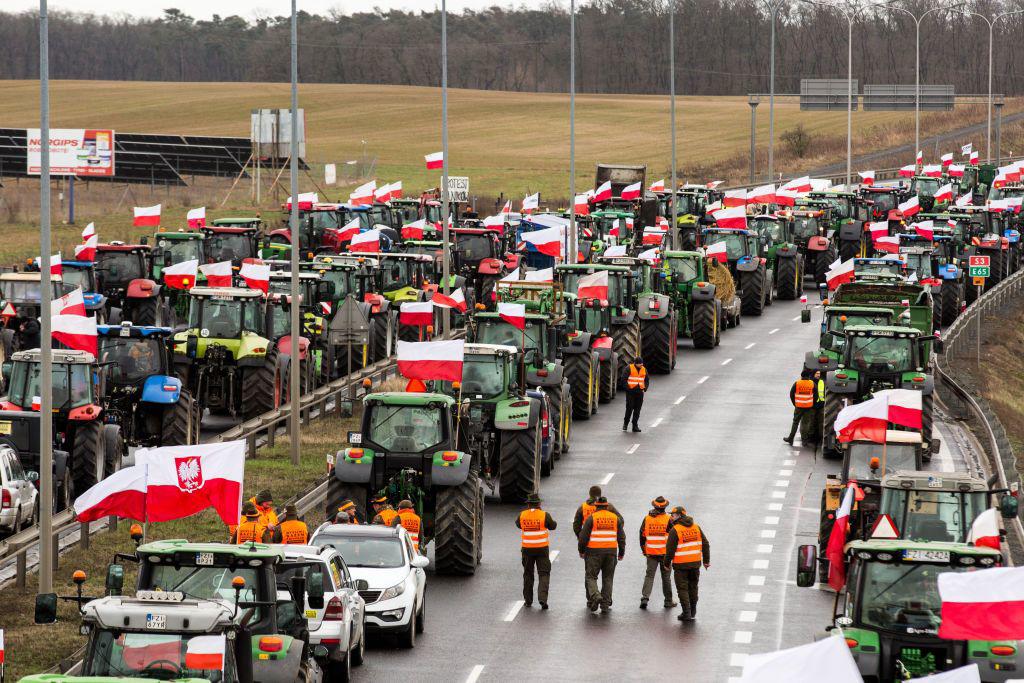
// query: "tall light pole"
[[571, 247], [672, 109], [45, 338], [773, 9], [294, 390], [445, 234]]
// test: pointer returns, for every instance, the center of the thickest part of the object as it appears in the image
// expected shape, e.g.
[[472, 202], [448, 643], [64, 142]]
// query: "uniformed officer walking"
[[636, 386], [653, 535], [587, 508], [408, 518], [534, 525], [383, 512], [602, 542], [686, 548], [250, 528], [292, 530]]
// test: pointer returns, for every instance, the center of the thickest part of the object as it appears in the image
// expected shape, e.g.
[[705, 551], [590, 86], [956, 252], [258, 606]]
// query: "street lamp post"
[[672, 110], [445, 232], [571, 248], [293, 378], [773, 9], [754, 101]]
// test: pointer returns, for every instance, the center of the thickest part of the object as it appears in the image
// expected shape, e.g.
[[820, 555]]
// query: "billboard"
[[87, 152], [271, 132], [903, 97], [824, 94]]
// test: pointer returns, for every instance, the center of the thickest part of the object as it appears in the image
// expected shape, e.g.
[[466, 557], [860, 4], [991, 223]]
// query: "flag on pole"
[[865, 421], [657, 186], [181, 275], [631, 192], [910, 207], [944, 193], [434, 161], [908, 171], [410, 231], [593, 286], [932, 170], [72, 303], [416, 313], [603, 192], [974, 159], [542, 275], [734, 198], [955, 170], [887, 244], [924, 230], [256, 275], [87, 250], [837, 539], [867, 177], [531, 203], [714, 184], [828, 659], [985, 604], [946, 159], [306, 201], [967, 149], [439, 360], [205, 653], [920, 157], [367, 242], [351, 229], [905, 407], [734, 218], [196, 218], [513, 314], [581, 204], [765, 194], [217, 274], [985, 530], [121, 494], [146, 216], [547, 241], [75, 332], [184, 480], [717, 251], [363, 194], [840, 273], [456, 300]]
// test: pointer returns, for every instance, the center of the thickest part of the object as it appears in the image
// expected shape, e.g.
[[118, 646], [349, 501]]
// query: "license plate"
[[934, 482], [156, 622], [5, 428], [926, 555], [204, 559], [311, 614]]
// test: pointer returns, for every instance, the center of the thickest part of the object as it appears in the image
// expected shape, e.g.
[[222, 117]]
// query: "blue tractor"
[[81, 274], [142, 394]]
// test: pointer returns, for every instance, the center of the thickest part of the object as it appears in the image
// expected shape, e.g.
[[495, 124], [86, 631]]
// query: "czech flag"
[[181, 275], [439, 360], [513, 314], [147, 216], [547, 241], [217, 274]]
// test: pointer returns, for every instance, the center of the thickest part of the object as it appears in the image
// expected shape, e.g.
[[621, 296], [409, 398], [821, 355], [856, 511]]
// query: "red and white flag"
[[658, 186], [440, 360], [363, 194], [531, 203], [72, 303], [717, 251], [652, 235], [205, 653], [955, 170], [865, 421], [306, 201], [88, 231], [508, 207], [414, 230], [631, 192], [581, 204], [867, 177], [495, 221], [181, 275], [887, 244], [924, 229], [734, 217], [946, 159], [326, 308], [256, 275], [908, 171], [513, 314], [920, 157], [765, 194], [603, 192], [877, 229], [593, 286], [985, 530], [184, 480], [56, 264], [146, 216], [801, 184], [368, 241], [75, 332], [456, 300], [416, 313], [944, 193], [542, 275], [547, 241], [910, 207], [714, 184], [932, 171], [87, 250], [383, 193], [964, 200], [986, 604], [121, 494], [828, 659], [974, 158], [653, 255], [511, 277], [217, 274], [351, 229], [196, 218], [434, 161], [734, 198], [840, 273], [837, 540], [614, 250], [905, 407]]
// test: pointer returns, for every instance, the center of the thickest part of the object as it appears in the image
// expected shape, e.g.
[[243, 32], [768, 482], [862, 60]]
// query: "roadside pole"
[[979, 268], [293, 380], [45, 336], [672, 113], [572, 249], [446, 320]]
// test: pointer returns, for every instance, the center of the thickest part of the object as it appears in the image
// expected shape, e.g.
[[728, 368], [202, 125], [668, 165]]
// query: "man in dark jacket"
[[686, 549], [29, 334], [587, 508], [602, 542], [637, 383], [535, 525]]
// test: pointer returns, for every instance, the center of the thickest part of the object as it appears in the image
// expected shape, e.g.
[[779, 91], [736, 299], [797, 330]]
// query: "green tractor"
[[224, 358], [753, 278], [611, 227], [170, 248], [701, 311], [835, 319], [845, 225], [406, 449], [778, 246], [811, 234]]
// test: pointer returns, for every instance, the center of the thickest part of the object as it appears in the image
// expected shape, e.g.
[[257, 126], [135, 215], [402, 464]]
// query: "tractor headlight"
[[392, 592]]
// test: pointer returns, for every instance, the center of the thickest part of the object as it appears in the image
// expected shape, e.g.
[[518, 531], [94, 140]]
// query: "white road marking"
[[632, 449], [764, 549], [767, 533], [774, 507], [796, 318], [785, 473], [749, 346], [475, 673], [755, 580], [809, 510], [761, 564], [771, 520], [737, 659], [774, 331], [518, 605], [726, 361], [789, 463], [778, 494], [608, 477], [748, 616], [742, 637], [751, 597], [781, 483], [680, 400], [554, 555], [703, 379], [655, 423]]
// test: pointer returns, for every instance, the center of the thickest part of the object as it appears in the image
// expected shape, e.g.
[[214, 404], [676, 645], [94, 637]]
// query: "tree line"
[[722, 47]]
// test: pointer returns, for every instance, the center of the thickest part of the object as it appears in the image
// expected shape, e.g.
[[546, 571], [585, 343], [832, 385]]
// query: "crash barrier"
[[955, 386], [257, 432]]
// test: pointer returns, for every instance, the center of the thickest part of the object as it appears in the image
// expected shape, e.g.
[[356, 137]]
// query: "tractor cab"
[[73, 385], [833, 340], [924, 188], [399, 277], [742, 246], [612, 226], [405, 211], [177, 247], [81, 274], [880, 202], [478, 252], [123, 276], [880, 269], [231, 243], [881, 357]]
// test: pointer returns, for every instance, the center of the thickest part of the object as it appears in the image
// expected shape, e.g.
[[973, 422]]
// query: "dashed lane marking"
[[796, 318], [781, 483], [789, 463], [749, 346], [767, 533], [742, 637], [655, 423], [785, 473], [475, 673], [774, 507], [726, 361], [703, 379], [680, 400], [632, 449], [737, 659], [748, 616], [554, 555], [774, 331], [608, 477], [518, 605], [778, 494]]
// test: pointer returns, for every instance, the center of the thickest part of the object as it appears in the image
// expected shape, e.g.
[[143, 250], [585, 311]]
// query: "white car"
[[340, 624], [18, 493], [383, 557]]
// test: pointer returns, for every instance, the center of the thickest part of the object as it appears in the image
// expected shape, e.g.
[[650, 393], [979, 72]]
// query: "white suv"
[[18, 494], [340, 624], [383, 557]]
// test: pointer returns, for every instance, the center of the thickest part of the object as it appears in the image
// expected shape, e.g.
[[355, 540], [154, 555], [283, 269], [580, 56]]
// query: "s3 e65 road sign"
[[979, 266]]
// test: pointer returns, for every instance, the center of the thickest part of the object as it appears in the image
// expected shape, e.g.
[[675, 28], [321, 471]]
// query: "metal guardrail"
[[962, 343]]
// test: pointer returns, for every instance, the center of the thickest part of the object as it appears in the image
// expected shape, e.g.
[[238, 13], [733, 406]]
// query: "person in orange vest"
[[587, 508], [802, 395], [636, 387], [602, 543], [653, 534], [263, 502], [292, 530], [686, 549], [383, 512], [250, 528], [348, 509], [534, 525], [408, 518]]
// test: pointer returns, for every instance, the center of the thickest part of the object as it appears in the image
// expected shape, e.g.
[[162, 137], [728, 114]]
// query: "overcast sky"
[[250, 9]]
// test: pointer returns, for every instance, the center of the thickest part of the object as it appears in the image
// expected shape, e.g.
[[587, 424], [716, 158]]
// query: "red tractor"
[[123, 277]]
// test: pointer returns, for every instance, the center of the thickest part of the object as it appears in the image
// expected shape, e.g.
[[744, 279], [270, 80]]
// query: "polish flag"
[[581, 204], [88, 233], [905, 407], [840, 273], [985, 530], [828, 659], [604, 192], [440, 360], [37, 403], [196, 218], [205, 653], [974, 159], [147, 216], [513, 314], [801, 184], [508, 207], [121, 494], [652, 235], [548, 241], [181, 275], [932, 171], [662, 223], [888, 245], [658, 186], [735, 218], [416, 314], [867, 177], [713, 207], [920, 157], [75, 332], [531, 203], [396, 190], [72, 303], [944, 193], [946, 159], [714, 184], [908, 171], [368, 241], [593, 286], [306, 201], [87, 250], [256, 275], [511, 277], [217, 274], [965, 200], [786, 197], [717, 251], [765, 194], [383, 193], [495, 221], [184, 480], [837, 539], [414, 230], [615, 250], [955, 170], [924, 229], [867, 420], [631, 192], [986, 604], [653, 255], [965, 150], [877, 229], [351, 229], [56, 267], [734, 198], [909, 207], [363, 194], [542, 275], [456, 300], [434, 161]]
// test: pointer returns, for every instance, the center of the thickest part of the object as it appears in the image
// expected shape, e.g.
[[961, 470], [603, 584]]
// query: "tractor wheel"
[[577, 372], [927, 420], [952, 295], [144, 312], [658, 346], [554, 395], [626, 343], [86, 450], [410, 333], [609, 376], [753, 292], [833, 404], [178, 429], [937, 298], [788, 282], [848, 249], [595, 382], [567, 422], [113, 449], [262, 387], [379, 335], [458, 527], [825, 522], [823, 260], [705, 330], [519, 457]]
